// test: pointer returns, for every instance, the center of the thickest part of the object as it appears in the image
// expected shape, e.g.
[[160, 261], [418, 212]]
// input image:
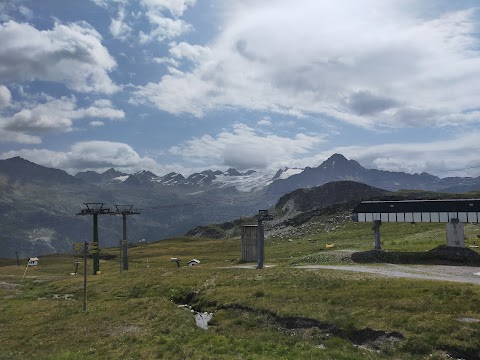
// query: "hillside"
[[39, 204], [296, 209], [295, 308]]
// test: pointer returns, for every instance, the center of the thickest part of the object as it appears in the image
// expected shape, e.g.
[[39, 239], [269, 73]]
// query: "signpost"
[[85, 248]]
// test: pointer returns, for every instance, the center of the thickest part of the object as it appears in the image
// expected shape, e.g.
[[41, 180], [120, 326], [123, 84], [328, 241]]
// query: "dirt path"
[[462, 274]]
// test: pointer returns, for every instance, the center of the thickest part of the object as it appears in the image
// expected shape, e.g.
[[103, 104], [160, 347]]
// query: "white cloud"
[[118, 27], [20, 138], [164, 60], [107, 3], [266, 121], [7, 7], [57, 115], [369, 63], [70, 54], [188, 51], [243, 148], [88, 155], [163, 16], [5, 96], [440, 158], [96, 123], [176, 7], [25, 11], [164, 28]]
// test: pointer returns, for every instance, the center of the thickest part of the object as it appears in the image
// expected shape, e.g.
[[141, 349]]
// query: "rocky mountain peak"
[[18, 168], [112, 173], [232, 172]]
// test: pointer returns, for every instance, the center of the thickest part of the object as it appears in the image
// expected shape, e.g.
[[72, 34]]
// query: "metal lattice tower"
[[124, 210], [95, 209]]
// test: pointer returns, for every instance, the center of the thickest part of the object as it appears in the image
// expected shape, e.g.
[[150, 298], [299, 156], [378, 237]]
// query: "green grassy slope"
[[278, 312]]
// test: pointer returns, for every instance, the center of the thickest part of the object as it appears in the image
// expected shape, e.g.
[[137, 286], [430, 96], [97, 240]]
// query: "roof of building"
[[407, 206]]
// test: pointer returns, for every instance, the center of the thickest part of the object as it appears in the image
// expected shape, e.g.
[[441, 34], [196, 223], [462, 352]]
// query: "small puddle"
[[202, 319]]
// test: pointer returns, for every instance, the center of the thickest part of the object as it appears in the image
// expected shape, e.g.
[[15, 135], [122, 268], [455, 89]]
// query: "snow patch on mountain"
[[254, 181], [120, 178]]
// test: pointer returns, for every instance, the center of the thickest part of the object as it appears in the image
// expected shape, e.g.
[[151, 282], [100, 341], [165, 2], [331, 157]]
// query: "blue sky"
[[188, 85]]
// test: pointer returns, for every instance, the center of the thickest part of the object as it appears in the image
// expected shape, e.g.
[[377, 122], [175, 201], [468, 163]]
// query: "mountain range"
[[38, 205]]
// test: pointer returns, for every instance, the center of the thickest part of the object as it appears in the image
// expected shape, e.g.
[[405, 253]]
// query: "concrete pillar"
[[249, 243], [376, 228], [455, 233]]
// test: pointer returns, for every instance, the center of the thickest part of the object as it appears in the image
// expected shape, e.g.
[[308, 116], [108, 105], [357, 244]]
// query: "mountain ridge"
[[336, 167]]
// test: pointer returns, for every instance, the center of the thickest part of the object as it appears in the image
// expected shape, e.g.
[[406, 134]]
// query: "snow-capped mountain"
[[337, 167], [246, 181]]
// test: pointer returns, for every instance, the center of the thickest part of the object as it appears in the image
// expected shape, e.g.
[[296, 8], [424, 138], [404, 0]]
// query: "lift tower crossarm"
[[95, 209]]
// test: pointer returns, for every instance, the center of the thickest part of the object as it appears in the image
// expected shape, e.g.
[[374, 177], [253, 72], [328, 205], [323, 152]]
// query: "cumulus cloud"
[[396, 66], [25, 11], [107, 3], [164, 28], [71, 54], [57, 115], [243, 148], [88, 155], [175, 7], [266, 121], [20, 138], [162, 16], [118, 27], [5, 96], [165, 60], [188, 51]]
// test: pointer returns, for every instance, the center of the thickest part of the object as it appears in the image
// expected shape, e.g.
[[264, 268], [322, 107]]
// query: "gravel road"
[[461, 274]]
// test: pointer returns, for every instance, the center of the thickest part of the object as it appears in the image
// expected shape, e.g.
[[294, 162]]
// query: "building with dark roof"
[[453, 212]]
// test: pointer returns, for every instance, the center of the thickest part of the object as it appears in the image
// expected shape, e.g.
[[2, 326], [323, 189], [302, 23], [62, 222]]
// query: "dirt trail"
[[462, 274]]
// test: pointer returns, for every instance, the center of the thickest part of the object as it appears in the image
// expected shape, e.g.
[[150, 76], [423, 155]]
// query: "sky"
[[190, 85]]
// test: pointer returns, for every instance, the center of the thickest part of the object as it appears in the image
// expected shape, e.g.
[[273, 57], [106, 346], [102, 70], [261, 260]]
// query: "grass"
[[135, 314]]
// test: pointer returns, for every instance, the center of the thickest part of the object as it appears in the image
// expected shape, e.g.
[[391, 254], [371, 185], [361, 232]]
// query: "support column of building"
[[376, 228], [455, 233]]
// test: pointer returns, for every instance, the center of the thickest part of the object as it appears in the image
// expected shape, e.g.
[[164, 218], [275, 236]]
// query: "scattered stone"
[[9, 286], [125, 330], [65, 296], [468, 320]]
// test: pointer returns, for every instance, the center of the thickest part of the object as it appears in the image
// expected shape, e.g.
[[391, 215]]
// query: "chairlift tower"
[[95, 209], [124, 210]]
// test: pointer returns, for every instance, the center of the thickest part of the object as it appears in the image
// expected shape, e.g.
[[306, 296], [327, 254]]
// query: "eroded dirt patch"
[[367, 337], [9, 286]]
